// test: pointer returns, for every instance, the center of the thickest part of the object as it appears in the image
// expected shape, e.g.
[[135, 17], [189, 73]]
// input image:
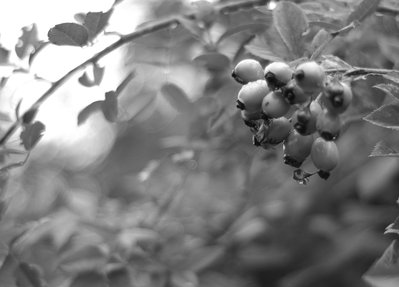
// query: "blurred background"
[[174, 193]]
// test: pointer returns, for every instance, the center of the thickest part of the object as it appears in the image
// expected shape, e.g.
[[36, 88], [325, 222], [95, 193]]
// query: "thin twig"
[[358, 71], [148, 29]]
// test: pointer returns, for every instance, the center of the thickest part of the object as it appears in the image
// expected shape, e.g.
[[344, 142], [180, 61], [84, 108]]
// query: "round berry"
[[328, 125], [274, 105], [310, 77], [250, 118], [247, 70], [279, 129], [304, 119], [251, 95], [338, 96], [277, 74], [296, 148], [294, 94], [324, 155]]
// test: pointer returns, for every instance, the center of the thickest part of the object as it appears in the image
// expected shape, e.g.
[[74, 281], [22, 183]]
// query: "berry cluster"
[[299, 107]]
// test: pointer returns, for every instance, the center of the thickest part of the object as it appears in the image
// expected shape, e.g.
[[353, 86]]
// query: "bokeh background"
[[175, 194]]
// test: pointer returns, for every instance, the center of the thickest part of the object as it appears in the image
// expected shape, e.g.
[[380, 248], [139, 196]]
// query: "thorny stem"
[[147, 29]]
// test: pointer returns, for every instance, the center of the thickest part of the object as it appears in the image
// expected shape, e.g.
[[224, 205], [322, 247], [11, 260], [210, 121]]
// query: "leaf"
[[89, 110], [31, 134], [213, 61], [393, 227], [291, 22], [95, 22], [254, 27], [98, 73], [177, 97], [381, 149], [192, 27], [334, 62], [262, 52], [364, 9], [319, 43], [29, 275], [7, 270], [109, 106], [386, 116], [390, 89], [68, 34], [28, 42], [89, 279], [385, 272], [119, 278], [325, 25]]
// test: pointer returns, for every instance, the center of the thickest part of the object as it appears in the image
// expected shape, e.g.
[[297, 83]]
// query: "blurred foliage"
[[183, 198]]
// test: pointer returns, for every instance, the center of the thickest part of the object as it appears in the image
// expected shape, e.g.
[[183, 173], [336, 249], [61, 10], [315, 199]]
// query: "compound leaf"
[[68, 34]]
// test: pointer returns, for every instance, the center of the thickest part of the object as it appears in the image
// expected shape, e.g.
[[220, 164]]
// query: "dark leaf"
[[95, 22], [98, 73], [29, 116], [213, 61], [390, 89], [325, 25], [89, 110], [28, 42], [124, 83], [4, 56], [253, 27], [177, 97], [364, 9], [393, 227], [291, 22], [385, 272], [110, 106], [31, 134], [119, 278], [89, 279], [70, 34], [29, 275], [386, 116], [381, 149]]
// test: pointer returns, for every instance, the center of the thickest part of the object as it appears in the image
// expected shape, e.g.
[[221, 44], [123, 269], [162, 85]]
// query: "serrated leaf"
[[255, 27], [109, 106], [291, 22], [382, 149], [385, 272], [31, 134], [98, 73], [88, 111], [213, 61], [364, 9], [390, 89], [177, 97], [89, 279], [262, 52], [28, 42], [386, 116], [29, 275], [95, 22], [68, 34]]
